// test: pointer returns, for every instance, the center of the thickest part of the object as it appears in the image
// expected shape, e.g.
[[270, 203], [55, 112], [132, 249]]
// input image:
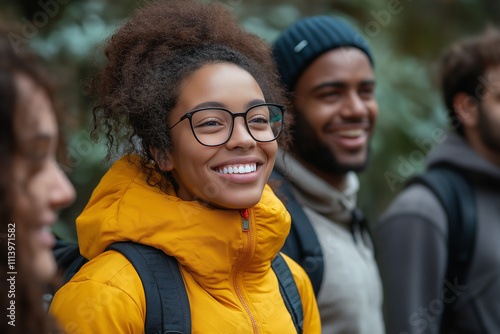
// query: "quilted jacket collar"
[[206, 241]]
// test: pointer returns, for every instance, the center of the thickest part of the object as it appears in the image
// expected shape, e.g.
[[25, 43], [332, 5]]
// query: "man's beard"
[[309, 148], [488, 130]]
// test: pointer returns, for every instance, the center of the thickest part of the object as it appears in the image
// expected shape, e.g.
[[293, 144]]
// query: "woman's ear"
[[466, 107], [162, 158]]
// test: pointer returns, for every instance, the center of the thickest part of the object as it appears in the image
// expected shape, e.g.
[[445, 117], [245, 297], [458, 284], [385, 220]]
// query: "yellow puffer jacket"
[[230, 284]]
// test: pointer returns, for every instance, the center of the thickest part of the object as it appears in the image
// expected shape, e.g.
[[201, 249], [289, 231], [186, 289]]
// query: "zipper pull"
[[245, 222]]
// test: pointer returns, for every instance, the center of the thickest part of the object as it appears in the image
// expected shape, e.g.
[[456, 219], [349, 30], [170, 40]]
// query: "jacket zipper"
[[245, 221], [248, 246]]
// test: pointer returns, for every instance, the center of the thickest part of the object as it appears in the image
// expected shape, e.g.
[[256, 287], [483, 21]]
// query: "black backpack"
[[302, 243], [164, 287], [457, 198]]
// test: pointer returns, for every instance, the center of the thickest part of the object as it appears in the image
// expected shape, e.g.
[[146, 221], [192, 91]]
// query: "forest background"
[[406, 37]]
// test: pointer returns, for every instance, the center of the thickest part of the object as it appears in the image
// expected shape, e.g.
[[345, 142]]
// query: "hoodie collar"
[[312, 191], [456, 152]]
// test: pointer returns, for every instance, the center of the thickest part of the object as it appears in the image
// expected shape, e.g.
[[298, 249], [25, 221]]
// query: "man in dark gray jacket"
[[412, 236]]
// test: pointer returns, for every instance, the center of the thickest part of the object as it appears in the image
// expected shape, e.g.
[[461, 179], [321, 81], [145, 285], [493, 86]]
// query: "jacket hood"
[[203, 239], [456, 152]]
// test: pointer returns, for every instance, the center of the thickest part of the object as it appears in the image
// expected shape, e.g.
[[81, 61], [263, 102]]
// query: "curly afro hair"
[[147, 60], [463, 65]]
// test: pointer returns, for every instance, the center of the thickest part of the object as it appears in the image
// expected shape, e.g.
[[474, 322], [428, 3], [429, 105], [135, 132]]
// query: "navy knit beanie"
[[307, 39]]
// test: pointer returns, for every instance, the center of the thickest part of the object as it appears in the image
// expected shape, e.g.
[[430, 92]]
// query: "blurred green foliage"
[[407, 37]]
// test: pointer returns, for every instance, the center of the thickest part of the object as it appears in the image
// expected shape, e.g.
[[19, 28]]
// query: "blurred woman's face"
[[40, 187]]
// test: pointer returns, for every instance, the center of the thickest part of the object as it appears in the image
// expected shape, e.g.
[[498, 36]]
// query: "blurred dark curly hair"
[[463, 65], [148, 58]]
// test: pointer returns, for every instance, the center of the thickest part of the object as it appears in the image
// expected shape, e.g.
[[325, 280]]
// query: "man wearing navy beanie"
[[327, 68]]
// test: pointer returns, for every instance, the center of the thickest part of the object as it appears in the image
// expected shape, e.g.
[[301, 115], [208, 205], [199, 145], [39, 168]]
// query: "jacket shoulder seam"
[[109, 284], [109, 281]]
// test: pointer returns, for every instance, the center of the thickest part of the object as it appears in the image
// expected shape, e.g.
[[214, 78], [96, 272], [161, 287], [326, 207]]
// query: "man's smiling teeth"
[[351, 133], [238, 169]]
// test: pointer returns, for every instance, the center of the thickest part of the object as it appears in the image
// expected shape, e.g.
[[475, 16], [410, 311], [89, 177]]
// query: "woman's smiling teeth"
[[237, 169]]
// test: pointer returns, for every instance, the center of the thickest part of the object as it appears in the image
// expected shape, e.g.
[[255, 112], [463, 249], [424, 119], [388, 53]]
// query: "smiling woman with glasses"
[[197, 101]]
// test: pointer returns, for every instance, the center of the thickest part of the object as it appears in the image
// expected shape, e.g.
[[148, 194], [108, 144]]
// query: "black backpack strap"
[[359, 225], [289, 291], [458, 200], [302, 244], [167, 303], [68, 257]]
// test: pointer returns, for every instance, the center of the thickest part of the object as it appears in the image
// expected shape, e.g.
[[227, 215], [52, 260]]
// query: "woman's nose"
[[62, 192], [240, 138]]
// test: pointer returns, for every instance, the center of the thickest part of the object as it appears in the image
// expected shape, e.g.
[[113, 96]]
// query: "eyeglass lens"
[[213, 126]]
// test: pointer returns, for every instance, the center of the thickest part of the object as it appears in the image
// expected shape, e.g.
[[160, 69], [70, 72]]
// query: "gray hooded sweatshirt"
[[411, 243], [350, 296]]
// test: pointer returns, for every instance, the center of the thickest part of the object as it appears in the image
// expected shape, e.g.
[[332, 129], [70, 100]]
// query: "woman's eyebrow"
[[215, 104], [209, 104], [253, 103], [37, 137]]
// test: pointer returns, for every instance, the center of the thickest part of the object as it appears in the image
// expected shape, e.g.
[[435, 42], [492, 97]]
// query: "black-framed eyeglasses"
[[213, 126]]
